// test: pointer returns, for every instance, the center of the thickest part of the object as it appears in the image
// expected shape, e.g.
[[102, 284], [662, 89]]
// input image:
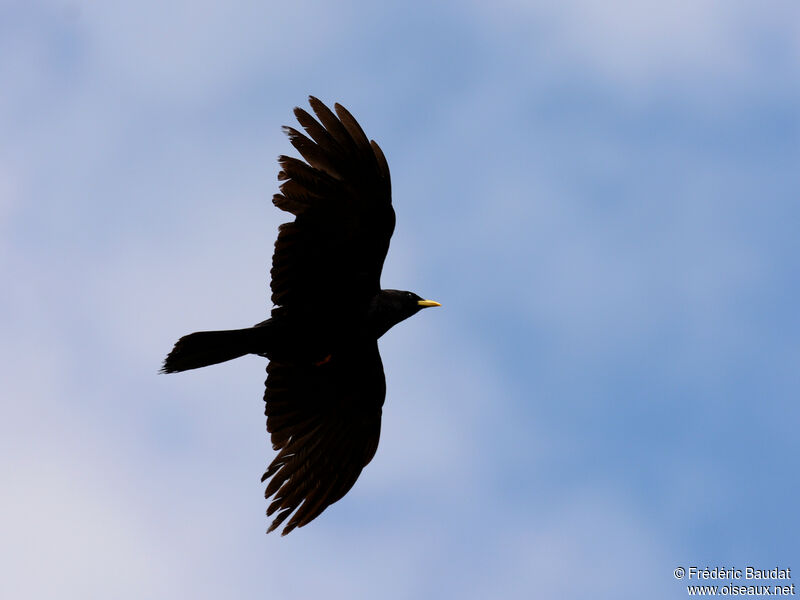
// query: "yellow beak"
[[427, 303]]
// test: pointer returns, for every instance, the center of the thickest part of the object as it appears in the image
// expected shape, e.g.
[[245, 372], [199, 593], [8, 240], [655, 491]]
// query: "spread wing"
[[341, 198], [324, 419]]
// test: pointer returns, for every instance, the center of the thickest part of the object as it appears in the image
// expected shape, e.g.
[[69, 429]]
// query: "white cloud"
[[190, 52], [646, 47]]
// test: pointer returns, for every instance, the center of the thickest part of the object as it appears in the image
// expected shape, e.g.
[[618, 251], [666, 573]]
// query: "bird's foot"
[[324, 361]]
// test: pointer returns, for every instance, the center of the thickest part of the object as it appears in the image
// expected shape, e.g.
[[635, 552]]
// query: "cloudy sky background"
[[603, 195]]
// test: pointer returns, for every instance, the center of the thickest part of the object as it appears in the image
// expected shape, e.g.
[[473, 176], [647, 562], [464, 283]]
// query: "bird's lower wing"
[[324, 419]]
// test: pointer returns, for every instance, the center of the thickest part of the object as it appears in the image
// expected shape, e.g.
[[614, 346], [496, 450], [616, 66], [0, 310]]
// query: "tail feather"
[[209, 348]]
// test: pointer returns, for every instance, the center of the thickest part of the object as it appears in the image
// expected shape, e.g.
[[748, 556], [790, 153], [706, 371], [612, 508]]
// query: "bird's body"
[[325, 383]]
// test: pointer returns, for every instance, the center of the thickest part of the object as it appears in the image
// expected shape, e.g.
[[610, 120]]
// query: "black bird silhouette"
[[325, 383]]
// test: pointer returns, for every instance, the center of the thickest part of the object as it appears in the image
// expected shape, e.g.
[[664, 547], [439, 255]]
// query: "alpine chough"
[[325, 383]]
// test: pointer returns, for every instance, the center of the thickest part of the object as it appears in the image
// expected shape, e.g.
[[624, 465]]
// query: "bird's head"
[[392, 306]]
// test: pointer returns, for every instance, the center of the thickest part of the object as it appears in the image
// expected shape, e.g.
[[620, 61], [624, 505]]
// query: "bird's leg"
[[324, 361]]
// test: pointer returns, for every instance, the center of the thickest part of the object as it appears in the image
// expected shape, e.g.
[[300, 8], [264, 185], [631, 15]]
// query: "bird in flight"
[[325, 383]]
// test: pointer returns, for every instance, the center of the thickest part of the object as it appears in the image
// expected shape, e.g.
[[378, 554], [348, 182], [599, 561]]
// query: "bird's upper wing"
[[330, 257], [324, 419]]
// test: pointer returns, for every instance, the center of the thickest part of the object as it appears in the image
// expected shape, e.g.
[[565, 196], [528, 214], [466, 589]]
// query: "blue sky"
[[604, 197]]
